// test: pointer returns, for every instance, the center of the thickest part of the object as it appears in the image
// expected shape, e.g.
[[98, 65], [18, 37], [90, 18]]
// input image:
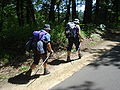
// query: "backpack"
[[28, 45], [37, 36], [71, 31]]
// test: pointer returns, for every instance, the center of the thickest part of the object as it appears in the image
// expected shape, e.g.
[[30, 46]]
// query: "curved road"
[[102, 74]]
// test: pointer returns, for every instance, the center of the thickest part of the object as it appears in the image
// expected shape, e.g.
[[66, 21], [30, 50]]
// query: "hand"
[[51, 53], [81, 39]]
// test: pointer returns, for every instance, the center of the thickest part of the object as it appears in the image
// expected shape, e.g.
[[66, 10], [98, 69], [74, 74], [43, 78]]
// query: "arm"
[[49, 44], [79, 34], [49, 47]]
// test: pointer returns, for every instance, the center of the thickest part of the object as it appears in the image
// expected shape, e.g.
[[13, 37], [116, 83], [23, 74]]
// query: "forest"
[[19, 18]]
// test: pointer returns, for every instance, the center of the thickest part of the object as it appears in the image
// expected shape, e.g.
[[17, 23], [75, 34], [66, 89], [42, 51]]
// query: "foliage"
[[88, 29], [13, 36], [58, 35], [12, 43], [24, 68]]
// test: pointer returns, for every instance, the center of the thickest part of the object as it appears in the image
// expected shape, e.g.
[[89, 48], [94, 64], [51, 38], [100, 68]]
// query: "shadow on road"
[[111, 57], [87, 85], [112, 36]]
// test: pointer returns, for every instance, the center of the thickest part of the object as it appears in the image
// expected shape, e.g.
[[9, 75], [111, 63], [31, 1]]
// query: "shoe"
[[28, 73], [46, 72], [68, 58], [79, 56]]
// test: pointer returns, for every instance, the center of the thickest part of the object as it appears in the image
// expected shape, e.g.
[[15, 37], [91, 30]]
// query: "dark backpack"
[[28, 45], [71, 31]]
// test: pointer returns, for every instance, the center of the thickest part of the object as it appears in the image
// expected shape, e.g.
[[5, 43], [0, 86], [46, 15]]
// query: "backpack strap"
[[41, 34]]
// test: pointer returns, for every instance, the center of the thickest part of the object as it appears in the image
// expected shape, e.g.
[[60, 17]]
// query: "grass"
[[93, 43], [2, 77]]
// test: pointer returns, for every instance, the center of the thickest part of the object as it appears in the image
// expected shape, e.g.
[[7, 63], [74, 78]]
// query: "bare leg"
[[45, 64], [79, 52], [33, 66], [68, 55]]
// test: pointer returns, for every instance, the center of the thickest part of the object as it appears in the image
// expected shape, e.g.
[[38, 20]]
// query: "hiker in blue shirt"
[[40, 48]]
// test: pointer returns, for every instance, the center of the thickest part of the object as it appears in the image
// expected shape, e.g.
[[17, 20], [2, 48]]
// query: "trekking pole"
[[39, 69]]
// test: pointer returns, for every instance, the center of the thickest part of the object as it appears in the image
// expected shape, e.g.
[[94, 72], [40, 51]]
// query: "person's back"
[[71, 30], [75, 39]]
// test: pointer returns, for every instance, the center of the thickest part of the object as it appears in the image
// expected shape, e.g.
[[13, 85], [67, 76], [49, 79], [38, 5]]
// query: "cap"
[[76, 21], [47, 27]]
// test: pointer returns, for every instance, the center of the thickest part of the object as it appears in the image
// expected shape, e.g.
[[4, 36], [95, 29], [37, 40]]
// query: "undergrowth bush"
[[87, 29], [12, 43], [58, 36]]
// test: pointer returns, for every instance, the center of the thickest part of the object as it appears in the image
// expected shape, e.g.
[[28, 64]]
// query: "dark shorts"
[[38, 55], [72, 41]]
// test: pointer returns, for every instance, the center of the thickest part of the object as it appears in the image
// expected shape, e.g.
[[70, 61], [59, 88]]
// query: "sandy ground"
[[62, 70]]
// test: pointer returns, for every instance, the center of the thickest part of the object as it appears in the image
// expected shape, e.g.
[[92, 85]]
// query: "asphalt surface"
[[102, 74]]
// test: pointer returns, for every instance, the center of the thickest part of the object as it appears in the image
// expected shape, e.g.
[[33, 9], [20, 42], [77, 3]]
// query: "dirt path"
[[62, 69]]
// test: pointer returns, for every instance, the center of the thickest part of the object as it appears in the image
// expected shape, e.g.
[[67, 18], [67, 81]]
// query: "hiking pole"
[[39, 69]]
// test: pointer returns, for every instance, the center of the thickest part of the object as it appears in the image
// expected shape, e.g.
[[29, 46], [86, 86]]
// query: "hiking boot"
[[46, 72], [68, 58], [28, 73], [79, 56]]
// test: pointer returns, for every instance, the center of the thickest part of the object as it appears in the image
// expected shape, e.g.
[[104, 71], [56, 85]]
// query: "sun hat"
[[47, 27], [76, 21]]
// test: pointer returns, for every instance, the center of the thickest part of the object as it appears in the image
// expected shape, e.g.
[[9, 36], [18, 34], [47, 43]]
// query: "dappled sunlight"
[[111, 57], [87, 85]]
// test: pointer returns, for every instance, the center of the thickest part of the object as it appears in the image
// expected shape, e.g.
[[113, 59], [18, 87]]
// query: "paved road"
[[102, 74]]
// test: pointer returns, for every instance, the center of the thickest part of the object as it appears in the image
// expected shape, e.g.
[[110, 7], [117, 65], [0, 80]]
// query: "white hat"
[[47, 26], [76, 21]]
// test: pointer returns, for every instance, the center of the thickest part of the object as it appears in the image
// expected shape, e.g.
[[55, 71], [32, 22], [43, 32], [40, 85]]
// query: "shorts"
[[38, 55], [72, 41]]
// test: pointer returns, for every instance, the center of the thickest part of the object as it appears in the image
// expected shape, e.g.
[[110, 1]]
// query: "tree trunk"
[[58, 8], [116, 9], [73, 9], [96, 11], [68, 12], [52, 12], [30, 12], [19, 10], [1, 14], [88, 12]]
